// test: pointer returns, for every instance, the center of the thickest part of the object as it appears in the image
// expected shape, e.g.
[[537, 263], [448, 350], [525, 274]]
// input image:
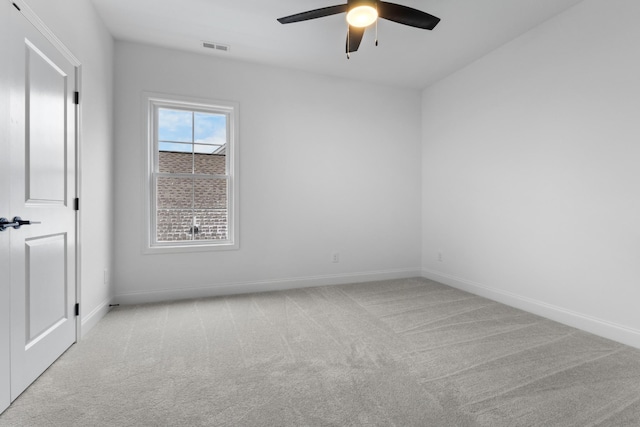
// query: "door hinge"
[[16, 6], [76, 98], [76, 204], [77, 308]]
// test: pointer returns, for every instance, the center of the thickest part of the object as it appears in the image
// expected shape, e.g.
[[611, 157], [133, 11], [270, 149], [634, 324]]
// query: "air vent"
[[216, 46]]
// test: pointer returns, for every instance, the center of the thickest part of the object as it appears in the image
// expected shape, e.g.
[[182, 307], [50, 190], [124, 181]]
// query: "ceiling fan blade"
[[313, 14], [354, 37], [407, 15]]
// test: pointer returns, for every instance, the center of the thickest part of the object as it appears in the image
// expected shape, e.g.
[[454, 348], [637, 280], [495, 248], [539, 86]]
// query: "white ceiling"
[[406, 56]]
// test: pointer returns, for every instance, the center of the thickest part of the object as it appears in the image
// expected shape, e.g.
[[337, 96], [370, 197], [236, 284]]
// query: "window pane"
[[210, 164], [176, 193], [210, 128], [174, 225], [175, 125], [169, 162], [210, 193], [212, 224]]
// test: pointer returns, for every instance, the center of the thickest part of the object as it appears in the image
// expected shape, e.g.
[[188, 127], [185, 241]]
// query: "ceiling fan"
[[363, 13]]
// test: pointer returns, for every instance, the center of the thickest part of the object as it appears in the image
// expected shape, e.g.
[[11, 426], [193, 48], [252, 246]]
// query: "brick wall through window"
[[181, 199]]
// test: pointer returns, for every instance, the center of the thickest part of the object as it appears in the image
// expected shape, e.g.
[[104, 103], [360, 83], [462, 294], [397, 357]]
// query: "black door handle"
[[16, 223]]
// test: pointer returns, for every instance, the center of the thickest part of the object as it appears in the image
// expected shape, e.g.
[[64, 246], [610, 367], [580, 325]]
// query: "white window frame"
[[151, 103]]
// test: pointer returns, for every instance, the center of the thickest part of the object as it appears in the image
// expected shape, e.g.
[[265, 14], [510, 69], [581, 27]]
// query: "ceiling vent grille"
[[216, 46]]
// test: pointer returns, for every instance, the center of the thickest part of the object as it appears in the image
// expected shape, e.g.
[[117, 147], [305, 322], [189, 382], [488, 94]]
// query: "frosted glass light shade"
[[362, 16]]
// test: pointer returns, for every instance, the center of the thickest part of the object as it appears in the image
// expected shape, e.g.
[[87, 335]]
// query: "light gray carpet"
[[394, 353]]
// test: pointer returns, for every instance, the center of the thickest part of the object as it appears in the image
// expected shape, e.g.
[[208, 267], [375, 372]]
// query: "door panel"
[[45, 286], [42, 147], [46, 86]]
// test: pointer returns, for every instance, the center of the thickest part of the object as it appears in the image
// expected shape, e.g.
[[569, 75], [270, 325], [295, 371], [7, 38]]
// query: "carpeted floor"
[[395, 353]]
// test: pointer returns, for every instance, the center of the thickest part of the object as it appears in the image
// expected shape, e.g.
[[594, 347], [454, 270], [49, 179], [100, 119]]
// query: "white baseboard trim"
[[90, 320], [261, 286], [594, 325]]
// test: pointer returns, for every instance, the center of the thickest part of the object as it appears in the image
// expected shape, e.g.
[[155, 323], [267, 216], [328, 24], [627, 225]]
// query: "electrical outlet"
[[440, 258], [106, 276], [335, 257]]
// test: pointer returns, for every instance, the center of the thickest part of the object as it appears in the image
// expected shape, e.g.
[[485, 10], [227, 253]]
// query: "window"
[[192, 186]]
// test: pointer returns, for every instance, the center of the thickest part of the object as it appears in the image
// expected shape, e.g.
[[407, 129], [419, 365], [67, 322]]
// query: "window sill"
[[205, 247]]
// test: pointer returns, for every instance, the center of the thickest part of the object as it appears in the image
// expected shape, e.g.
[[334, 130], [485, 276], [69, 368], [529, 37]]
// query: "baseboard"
[[600, 327], [261, 286], [90, 320]]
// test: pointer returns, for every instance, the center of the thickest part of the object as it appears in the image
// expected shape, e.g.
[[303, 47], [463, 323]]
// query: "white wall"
[[325, 165], [77, 25], [531, 180]]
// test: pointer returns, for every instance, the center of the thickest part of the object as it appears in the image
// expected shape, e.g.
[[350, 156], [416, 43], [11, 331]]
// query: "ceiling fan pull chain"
[[348, 40], [377, 19]]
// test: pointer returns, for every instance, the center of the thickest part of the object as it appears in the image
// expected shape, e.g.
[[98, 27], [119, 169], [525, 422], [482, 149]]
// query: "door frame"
[[5, 279]]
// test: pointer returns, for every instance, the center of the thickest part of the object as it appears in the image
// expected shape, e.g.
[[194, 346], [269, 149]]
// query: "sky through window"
[[191, 132]]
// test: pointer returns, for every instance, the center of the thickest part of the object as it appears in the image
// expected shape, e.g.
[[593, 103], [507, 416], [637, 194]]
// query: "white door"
[[43, 189]]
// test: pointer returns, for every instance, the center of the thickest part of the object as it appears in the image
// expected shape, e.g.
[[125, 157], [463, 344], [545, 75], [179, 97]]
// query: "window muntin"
[[192, 184]]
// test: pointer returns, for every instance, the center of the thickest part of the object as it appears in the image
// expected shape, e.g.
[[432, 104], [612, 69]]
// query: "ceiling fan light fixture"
[[362, 16]]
